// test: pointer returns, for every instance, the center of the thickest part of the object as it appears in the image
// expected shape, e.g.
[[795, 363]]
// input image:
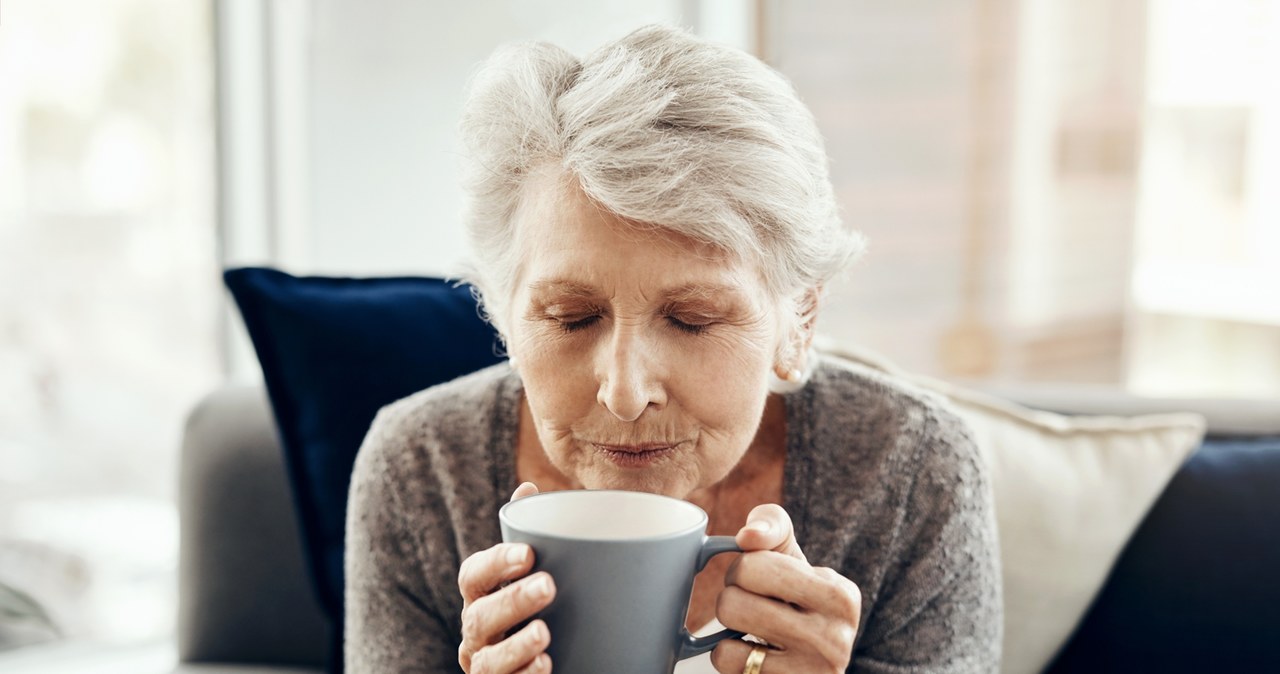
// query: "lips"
[[635, 449], [636, 456]]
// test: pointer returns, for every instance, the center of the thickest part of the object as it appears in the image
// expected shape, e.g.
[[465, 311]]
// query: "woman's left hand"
[[809, 615]]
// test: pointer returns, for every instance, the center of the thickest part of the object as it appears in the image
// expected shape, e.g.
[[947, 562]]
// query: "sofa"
[[1193, 585]]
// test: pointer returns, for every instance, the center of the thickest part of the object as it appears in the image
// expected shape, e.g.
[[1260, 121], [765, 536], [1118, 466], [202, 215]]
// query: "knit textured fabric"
[[881, 482]]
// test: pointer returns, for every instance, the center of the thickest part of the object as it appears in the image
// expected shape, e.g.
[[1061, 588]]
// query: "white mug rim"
[[699, 525]]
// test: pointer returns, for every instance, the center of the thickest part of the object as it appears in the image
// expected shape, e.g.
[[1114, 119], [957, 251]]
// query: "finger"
[[774, 621], [730, 657], [798, 637], [525, 489], [482, 573], [848, 596], [791, 580], [802, 634], [523, 651], [488, 618], [769, 527], [540, 665]]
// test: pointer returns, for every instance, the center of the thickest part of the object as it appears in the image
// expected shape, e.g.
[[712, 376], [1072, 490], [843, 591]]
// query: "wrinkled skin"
[[629, 338]]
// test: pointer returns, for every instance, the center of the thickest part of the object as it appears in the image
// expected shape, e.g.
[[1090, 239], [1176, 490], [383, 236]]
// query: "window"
[[108, 304], [1207, 272], [1054, 191]]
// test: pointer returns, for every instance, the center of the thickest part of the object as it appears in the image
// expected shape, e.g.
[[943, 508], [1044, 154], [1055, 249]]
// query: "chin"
[[651, 481]]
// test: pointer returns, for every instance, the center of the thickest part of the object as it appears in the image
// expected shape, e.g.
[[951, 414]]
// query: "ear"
[[792, 357], [807, 316]]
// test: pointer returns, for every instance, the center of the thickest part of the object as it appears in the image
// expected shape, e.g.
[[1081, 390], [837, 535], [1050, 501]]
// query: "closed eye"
[[690, 328], [579, 324]]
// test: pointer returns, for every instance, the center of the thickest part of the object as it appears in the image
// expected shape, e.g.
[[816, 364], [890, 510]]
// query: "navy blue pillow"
[[1197, 589], [333, 351]]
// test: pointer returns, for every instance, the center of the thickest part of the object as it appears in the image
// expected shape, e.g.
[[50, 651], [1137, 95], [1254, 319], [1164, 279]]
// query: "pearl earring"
[[785, 380]]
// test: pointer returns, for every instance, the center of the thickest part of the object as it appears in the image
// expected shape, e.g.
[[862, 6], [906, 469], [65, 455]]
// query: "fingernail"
[[516, 554], [539, 587], [540, 633], [762, 526]]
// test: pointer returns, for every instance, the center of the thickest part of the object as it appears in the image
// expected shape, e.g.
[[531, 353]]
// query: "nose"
[[629, 381]]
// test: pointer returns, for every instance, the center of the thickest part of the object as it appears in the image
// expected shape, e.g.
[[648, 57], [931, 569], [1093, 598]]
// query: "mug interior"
[[603, 515]]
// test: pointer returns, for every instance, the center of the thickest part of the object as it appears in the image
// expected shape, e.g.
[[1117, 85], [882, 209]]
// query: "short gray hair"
[[662, 128]]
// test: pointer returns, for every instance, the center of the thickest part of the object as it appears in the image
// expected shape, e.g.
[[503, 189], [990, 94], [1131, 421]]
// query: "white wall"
[[384, 92], [337, 119], [338, 152]]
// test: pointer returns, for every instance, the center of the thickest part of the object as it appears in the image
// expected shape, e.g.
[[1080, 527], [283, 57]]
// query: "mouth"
[[635, 456]]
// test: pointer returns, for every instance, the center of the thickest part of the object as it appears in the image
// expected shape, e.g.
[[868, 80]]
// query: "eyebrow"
[[689, 292], [701, 292], [563, 287]]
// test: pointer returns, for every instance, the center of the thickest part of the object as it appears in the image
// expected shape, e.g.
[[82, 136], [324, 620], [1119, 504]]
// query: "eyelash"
[[584, 323], [580, 324], [689, 328]]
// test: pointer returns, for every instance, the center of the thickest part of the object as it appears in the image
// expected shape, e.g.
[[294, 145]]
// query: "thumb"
[[525, 489], [769, 527]]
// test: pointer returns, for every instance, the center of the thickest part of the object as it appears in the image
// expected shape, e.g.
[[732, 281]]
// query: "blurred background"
[[1054, 190]]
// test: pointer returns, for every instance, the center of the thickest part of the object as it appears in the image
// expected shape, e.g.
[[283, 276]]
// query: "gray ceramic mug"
[[623, 564]]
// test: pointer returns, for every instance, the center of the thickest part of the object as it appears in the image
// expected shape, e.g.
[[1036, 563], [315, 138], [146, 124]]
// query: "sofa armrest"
[[1225, 416], [244, 594]]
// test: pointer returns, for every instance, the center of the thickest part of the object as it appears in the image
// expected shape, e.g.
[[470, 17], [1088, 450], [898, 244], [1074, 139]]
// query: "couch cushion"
[[1197, 589], [335, 350], [244, 594], [1069, 492]]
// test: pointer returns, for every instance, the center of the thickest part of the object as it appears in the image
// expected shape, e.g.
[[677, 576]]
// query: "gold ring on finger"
[[755, 660]]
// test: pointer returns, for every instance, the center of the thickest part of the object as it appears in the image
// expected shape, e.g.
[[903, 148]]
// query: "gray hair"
[[662, 128]]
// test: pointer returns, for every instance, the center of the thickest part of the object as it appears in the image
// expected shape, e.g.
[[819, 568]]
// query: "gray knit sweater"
[[881, 482]]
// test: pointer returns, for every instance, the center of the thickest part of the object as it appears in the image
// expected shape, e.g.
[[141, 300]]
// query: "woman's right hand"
[[491, 607]]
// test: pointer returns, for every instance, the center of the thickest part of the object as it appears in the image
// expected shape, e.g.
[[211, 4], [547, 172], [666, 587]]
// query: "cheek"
[[724, 383], [557, 378]]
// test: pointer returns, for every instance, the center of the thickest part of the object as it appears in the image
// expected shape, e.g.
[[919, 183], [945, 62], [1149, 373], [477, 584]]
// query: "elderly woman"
[[653, 228]]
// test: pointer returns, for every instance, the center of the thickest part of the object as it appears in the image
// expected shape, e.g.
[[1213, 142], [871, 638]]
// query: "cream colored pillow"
[[1069, 492]]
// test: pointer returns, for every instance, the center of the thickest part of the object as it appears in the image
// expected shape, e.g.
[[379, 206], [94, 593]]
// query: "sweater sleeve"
[[391, 624], [940, 606]]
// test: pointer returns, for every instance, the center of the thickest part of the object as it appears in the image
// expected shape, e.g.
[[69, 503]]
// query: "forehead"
[[571, 244]]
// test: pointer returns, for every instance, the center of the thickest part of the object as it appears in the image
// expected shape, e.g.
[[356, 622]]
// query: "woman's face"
[[645, 358]]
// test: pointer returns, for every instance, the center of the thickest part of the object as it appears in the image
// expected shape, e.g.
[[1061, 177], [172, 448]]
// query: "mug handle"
[[689, 644]]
